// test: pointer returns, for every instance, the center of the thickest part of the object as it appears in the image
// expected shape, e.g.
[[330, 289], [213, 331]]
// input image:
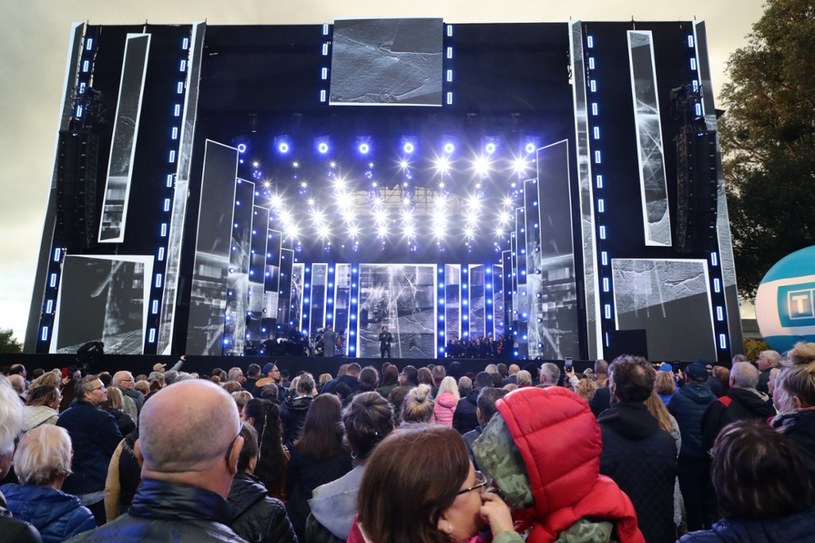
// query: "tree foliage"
[[8, 344], [768, 140]]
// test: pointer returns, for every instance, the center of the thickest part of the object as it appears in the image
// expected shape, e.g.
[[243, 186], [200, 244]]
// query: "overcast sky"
[[33, 52]]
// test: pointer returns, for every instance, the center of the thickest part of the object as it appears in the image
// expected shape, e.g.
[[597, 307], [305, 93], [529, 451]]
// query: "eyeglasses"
[[232, 444], [480, 482], [100, 387]]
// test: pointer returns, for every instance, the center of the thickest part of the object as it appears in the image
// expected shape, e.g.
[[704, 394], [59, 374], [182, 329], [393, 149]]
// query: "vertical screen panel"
[[239, 262], [670, 300], [498, 302], [211, 268], [317, 297], [125, 133], [342, 304], [402, 297], [653, 180], [294, 293], [452, 302], [558, 320], [257, 267], [478, 302], [103, 298], [534, 283]]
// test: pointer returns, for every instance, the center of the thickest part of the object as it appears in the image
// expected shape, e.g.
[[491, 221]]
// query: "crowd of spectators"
[[629, 452]]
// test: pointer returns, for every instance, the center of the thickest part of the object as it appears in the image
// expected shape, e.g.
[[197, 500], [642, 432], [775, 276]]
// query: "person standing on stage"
[[385, 340], [329, 341]]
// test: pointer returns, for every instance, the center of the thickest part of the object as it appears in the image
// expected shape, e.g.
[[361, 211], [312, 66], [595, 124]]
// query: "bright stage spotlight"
[[530, 148], [503, 218], [364, 148], [241, 148], [520, 165], [442, 165], [481, 165], [490, 148], [404, 164], [449, 148]]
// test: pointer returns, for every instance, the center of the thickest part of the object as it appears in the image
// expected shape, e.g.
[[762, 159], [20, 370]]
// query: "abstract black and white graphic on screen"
[[498, 301], [102, 298], [478, 302], [208, 296], [237, 294], [387, 61], [653, 180], [670, 300], [125, 132], [556, 320], [452, 301], [401, 297]]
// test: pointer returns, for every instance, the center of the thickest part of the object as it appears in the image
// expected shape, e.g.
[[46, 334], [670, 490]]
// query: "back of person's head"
[[439, 373], [523, 378], [305, 384], [353, 369], [43, 455], [665, 383], [241, 397], [586, 388], [46, 379], [368, 378], [491, 368], [487, 398], [465, 385], [502, 369], [390, 375], [418, 405], [253, 370], [264, 416], [411, 375], [170, 377], [232, 386], [269, 392], [17, 382], [11, 420], [601, 367], [249, 452], [322, 429], [411, 478], [549, 374], [455, 370], [368, 419], [632, 378], [744, 375], [115, 399], [533, 370], [187, 427], [448, 384], [323, 379], [802, 353], [757, 473], [43, 395], [424, 376], [722, 374], [482, 379], [795, 387]]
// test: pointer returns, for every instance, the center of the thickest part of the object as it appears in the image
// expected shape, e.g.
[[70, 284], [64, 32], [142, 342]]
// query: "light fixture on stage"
[[481, 165], [322, 145], [241, 148], [282, 144], [449, 147], [442, 165], [363, 146]]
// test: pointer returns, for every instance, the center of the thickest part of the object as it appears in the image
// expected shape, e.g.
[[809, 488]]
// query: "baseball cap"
[[696, 372], [158, 367]]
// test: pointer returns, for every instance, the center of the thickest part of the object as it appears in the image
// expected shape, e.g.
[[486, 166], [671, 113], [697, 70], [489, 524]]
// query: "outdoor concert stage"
[[555, 184]]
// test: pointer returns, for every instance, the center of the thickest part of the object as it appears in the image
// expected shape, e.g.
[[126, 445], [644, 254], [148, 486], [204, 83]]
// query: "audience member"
[[665, 386], [637, 453], [602, 397], [762, 497], [390, 380], [465, 418], [318, 457], [94, 435], [549, 375], [485, 409], [419, 486], [11, 421], [273, 456], [368, 419], [42, 462], [113, 405], [767, 360], [190, 451], [446, 401], [294, 410], [418, 405], [41, 407], [256, 516]]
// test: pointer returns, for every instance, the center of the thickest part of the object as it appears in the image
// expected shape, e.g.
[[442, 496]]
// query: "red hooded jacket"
[[560, 442]]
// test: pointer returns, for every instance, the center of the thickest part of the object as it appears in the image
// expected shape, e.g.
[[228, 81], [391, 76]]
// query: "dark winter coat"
[[255, 516], [465, 418], [55, 514], [94, 436], [799, 527], [303, 476], [293, 414], [168, 513], [124, 421], [688, 406], [641, 458], [737, 404], [600, 401], [799, 428]]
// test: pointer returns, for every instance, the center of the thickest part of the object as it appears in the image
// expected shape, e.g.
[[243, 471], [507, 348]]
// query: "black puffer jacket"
[[293, 414], [465, 418], [255, 516], [167, 512], [799, 427], [737, 404], [688, 406], [641, 458]]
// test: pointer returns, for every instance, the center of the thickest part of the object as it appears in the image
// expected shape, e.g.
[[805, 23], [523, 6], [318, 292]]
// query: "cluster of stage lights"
[[342, 217]]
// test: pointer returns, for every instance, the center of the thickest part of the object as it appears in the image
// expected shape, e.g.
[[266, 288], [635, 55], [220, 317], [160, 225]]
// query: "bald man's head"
[[187, 428]]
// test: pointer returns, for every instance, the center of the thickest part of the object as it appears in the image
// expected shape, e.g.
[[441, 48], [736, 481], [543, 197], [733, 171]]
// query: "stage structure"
[[557, 184]]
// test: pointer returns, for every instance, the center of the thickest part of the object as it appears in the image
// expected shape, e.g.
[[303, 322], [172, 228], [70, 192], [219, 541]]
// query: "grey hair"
[[744, 375], [551, 373], [11, 416], [43, 455]]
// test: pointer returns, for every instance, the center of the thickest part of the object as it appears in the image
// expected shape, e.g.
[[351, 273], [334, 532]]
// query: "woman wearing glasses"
[[420, 487]]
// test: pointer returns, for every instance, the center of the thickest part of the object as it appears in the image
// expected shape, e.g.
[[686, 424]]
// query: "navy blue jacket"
[[55, 514], [799, 527], [94, 436], [688, 406]]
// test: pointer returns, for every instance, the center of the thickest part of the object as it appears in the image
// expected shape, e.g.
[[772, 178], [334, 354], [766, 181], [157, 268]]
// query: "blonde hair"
[[523, 377], [586, 388], [142, 386], [664, 383], [115, 400], [418, 405], [46, 379], [43, 455], [324, 378], [802, 353], [241, 397], [448, 384], [657, 408]]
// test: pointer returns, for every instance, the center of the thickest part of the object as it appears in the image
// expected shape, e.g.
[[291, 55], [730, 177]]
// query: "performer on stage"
[[385, 340]]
